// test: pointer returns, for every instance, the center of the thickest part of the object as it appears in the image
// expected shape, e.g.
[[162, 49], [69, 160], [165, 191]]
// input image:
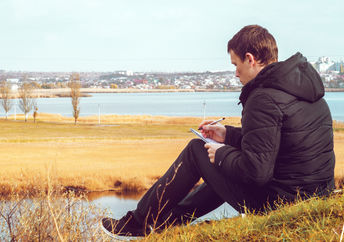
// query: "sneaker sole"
[[119, 237]]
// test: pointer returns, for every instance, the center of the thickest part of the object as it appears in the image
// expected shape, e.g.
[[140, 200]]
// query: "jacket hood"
[[294, 76]]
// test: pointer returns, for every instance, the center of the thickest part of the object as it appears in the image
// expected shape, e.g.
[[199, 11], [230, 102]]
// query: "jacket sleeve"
[[233, 136], [261, 132]]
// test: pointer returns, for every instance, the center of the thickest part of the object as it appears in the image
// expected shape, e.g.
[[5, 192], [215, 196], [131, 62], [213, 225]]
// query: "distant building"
[[124, 73], [235, 82], [14, 83], [14, 87], [324, 64], [13, 80], [338, 67]]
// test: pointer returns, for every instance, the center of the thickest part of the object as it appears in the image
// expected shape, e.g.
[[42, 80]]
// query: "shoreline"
[[86, 92]]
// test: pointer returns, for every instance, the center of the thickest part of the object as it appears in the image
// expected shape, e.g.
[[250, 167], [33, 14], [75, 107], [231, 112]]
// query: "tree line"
[[27, 99]]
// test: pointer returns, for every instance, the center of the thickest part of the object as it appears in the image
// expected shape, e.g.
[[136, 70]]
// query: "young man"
[[283, 150]]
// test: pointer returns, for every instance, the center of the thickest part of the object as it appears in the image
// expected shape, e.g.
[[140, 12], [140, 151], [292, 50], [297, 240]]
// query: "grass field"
[[124, 153], [128, 153], [312, 220]]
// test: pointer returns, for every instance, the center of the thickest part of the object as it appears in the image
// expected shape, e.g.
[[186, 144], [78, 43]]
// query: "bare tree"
[[75, 94], [26, 100], [5, 92], [35, 113]]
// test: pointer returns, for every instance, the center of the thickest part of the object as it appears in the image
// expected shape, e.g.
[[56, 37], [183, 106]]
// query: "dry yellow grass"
[[95, 165], [128, 150], [129, 154]]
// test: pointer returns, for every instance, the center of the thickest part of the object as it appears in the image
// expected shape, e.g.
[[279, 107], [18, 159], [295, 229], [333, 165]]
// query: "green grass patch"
[[312, 220]]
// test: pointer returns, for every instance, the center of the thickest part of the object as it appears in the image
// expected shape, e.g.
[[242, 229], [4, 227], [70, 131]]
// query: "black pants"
[[169, 200]]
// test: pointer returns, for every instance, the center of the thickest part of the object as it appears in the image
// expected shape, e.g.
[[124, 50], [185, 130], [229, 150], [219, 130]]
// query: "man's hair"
[[256, 40]]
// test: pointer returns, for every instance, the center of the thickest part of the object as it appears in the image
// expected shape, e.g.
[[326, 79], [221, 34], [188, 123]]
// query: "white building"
[[12, 80], [126, 72], [14, 87], [324, 64], [235, 82]]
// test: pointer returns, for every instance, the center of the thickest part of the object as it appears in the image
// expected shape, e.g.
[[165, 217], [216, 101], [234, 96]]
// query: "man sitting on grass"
[[283, 150]]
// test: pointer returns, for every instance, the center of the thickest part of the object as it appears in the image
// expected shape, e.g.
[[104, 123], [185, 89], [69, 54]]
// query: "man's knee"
[[196, 144], [196, 150]]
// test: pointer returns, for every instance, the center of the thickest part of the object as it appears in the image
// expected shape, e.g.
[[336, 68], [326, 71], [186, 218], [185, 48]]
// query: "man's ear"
[[251, 59]]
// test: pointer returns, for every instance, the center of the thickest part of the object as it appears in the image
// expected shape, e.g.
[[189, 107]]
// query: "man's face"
[[244, 69]]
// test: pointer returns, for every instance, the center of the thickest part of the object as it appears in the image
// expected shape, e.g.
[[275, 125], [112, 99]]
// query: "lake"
[[169, 104], [15, 212], [118, 206]]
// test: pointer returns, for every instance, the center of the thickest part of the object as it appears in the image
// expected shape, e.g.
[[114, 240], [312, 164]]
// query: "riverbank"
[[85, 92], [124, 154], [49, 216]]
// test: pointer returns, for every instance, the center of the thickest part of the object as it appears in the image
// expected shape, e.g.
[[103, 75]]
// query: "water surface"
[[118, 206], [169, 104]]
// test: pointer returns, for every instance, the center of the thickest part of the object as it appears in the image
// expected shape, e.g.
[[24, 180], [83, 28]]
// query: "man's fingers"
[[211, 157], [211, 152], [210, 128], [207, 133], [209, 147], [205, 122]]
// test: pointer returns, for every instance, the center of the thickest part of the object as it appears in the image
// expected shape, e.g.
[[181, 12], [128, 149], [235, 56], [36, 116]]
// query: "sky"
[[158, 35]]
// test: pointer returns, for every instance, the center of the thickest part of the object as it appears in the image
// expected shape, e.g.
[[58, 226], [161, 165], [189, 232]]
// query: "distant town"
[[332, 74]]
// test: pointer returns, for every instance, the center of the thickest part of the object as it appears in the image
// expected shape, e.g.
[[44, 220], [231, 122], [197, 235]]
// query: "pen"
[[216, 121]]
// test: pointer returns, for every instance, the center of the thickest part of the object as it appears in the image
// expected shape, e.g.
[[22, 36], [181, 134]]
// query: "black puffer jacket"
[[285, 144]]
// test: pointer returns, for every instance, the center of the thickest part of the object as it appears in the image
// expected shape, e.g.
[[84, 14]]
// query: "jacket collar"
[[254, 83]]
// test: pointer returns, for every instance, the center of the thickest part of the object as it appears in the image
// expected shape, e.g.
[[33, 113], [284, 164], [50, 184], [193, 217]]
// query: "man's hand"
[[211, 150], [216, 132]]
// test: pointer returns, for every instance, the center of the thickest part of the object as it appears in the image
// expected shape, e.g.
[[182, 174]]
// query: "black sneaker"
[[126, 226]]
